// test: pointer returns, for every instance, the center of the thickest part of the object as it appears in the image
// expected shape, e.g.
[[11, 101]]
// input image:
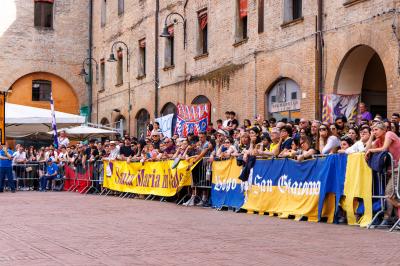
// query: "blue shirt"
[[6, 162], [52, 169]]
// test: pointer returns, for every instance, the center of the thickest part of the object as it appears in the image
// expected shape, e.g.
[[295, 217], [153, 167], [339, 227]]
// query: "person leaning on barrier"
[[382, 140], [6, 168], [227, 149], [50, 175], [306, 148]]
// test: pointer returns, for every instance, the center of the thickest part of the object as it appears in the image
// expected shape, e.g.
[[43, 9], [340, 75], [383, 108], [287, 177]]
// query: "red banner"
[[243, 8], [77, 178]]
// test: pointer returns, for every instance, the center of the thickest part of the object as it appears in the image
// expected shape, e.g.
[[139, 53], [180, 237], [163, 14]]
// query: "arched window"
[[283, 100], [120, 125], [142, 120], [104, 122], [201, 99], [168, 108]]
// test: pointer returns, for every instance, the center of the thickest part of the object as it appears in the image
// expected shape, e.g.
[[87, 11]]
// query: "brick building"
[[249, 57], [43, 45], [268, 57]]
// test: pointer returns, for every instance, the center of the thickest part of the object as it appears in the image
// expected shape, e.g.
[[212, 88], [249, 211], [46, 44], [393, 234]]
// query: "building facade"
[[255, 57], [43, 44]]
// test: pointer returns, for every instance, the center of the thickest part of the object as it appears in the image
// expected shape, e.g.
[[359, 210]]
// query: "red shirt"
[[394, 147]]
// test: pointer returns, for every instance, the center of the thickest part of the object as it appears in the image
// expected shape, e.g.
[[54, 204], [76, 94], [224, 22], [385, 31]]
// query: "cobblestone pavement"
[[63, 228]]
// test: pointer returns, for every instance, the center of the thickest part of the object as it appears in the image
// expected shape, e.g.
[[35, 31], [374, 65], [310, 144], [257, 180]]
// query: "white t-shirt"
[[19, 156], [226, 122], [356, 147], [63, 141]]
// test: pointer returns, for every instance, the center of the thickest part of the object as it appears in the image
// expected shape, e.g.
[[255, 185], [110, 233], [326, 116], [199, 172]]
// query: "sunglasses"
[[333, 128], [323, 129]]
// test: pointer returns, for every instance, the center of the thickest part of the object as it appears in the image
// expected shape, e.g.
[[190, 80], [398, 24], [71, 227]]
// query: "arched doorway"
[[104, 122], [201, 99], [168, 108], [283, 100], [120, 125], [142, 120], [362, 72]]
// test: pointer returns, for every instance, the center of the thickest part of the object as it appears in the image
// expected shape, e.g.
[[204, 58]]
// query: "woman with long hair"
[[328, 142]]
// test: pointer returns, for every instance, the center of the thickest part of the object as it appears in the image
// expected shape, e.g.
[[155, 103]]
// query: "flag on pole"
[[53, 120]]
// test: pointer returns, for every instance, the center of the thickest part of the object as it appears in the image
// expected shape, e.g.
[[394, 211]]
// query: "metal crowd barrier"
[[397, 193], [379, 183], [86, 178]]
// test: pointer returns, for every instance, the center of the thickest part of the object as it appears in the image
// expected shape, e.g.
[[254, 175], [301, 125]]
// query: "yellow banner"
[[155, 178]]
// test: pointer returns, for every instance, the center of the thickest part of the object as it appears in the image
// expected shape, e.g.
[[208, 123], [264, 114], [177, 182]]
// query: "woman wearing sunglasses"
[[328, 140]]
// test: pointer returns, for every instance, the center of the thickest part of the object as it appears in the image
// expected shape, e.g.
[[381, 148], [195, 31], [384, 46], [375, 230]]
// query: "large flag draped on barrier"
[[192, 119], [286, 187], [155, 178], [337, 105]]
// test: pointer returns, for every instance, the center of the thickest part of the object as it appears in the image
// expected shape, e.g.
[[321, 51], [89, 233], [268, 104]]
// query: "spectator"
[[307, 151], [51, 174], [63, 139], [19, 159], [341, 128], [227, 120], [219, 124], [156, 140], [345, 143], [246, 124], [395, 118], [353, 134], [285, 142], [126, 151], [327, 142], [383, 140], [265, 127], [272, 122], [114, 151], [363, 113], [360, 145], [226, 150]]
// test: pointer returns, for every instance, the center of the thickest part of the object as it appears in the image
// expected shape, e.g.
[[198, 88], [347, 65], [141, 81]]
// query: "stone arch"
[[142, 120], [362, 72], [65, 97], [168, 108]]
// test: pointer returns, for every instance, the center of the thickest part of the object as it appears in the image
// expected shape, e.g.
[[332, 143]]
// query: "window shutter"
[[243, 8], [203, 20]]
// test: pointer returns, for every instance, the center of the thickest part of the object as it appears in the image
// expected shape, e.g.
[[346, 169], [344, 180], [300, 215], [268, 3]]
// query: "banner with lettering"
[[283, 187], [155, 178]]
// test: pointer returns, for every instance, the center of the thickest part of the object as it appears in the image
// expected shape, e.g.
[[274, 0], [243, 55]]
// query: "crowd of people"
[[300, 140]]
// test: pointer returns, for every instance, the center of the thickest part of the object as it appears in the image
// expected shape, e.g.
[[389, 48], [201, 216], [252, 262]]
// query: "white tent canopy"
[[23, 120], [85, 132]]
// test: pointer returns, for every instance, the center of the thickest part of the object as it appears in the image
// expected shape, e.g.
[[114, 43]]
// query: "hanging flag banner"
[[282, 186], [192, 119], [166, 124], [53, 121], [339, 105], [155, 178]]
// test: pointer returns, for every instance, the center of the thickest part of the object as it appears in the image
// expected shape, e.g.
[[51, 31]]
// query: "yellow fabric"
[[283, 204], [358, 184], [226, 172], [155, 178], [272, 146]]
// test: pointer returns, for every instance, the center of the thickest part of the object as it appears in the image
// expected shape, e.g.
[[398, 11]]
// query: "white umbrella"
[[85, 132], [22, 121]]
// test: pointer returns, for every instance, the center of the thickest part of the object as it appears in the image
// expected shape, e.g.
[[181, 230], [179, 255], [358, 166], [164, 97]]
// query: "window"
[[103, 13], [41, 90], [203, 32], [142, 58], [241, 29], [120, 67], [102, 75], [43, 17], [260, 16], [120, 7], [292, 10], [169, 48]]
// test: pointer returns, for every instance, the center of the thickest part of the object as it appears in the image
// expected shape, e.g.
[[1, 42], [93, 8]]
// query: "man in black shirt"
[[91, 151], [233, 123], [155, 139], [126, 150]]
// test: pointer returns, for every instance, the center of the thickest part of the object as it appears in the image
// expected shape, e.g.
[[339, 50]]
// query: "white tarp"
[[166, 124], [23, 120]]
